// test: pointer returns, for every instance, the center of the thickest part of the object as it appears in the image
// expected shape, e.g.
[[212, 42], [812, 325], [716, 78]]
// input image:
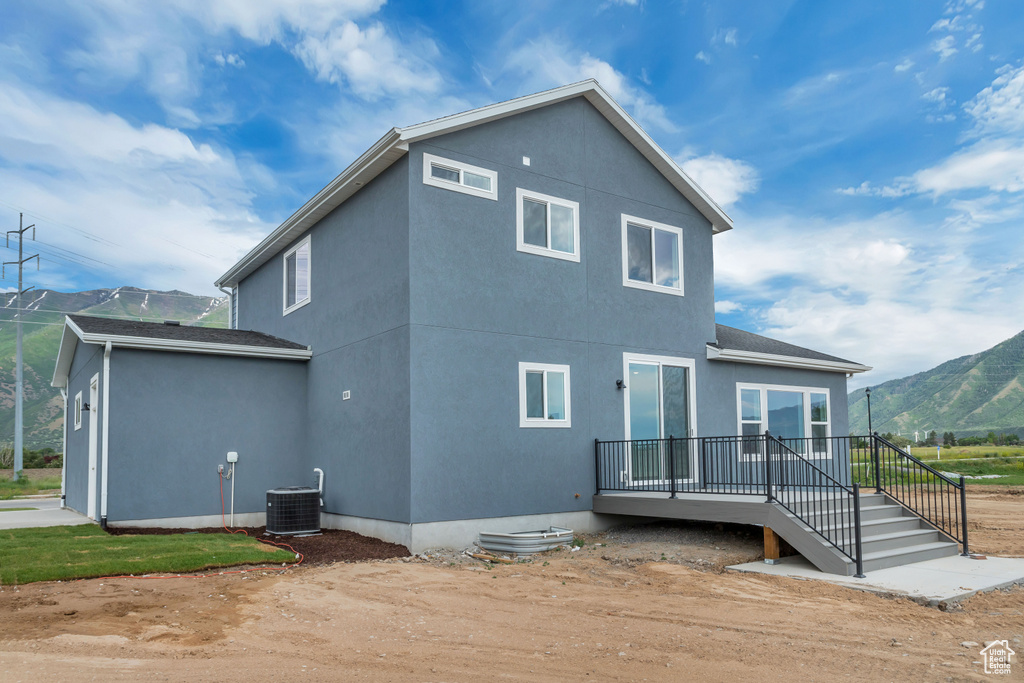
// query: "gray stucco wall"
[[357, 324], [423, 308], [479, 307], [174, 417], [87, 361]]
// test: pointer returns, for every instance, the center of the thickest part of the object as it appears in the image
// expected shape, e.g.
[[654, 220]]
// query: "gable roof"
[[740, 346], [163, 337], [395, 144]]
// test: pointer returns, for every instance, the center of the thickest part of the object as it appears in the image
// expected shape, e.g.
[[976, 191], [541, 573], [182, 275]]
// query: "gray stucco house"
[[445, 330]]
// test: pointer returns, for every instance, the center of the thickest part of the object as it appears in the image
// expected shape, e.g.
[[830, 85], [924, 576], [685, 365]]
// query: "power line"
[[19, 383]]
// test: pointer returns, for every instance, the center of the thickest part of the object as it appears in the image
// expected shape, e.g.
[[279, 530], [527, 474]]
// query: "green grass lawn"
[[27, 487], [1011, 470], [79, 552], [929, 453]]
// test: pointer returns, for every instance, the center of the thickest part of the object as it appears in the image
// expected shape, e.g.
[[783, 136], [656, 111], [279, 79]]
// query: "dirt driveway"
[[603, 613]]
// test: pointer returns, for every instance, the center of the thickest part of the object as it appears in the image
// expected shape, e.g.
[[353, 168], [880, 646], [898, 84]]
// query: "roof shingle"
[[740, 340], [184, 333]]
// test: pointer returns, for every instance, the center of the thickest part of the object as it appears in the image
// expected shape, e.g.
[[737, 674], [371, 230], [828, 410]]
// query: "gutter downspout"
[[231, 295], [64, 450], [106, 432]]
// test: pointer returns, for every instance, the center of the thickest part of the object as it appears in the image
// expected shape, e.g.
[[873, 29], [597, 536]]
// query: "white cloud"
[[703, 57], [905, 65], [726, 307], [229, 59], [937, 96], [944, 47], [158, 45], [545, 64], [370, 61], [994, 162], [995, 165], [725, 179], [901, 304], [999, 108], [141, 190], [725, 35], [264, 21]]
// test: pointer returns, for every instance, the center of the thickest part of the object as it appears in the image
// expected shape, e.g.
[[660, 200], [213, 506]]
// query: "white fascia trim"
[[755, 358], [396, 143], [65, 353], [151, 344]]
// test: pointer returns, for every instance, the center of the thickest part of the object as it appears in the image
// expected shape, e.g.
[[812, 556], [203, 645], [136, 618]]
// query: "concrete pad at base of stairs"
[[47, 512], [936, 583]]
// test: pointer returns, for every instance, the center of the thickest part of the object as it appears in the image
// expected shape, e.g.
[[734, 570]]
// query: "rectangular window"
[[460, 177], [544, 396], [547, 226], [78, 410], [798, 416], [652, 256], [297, 276]]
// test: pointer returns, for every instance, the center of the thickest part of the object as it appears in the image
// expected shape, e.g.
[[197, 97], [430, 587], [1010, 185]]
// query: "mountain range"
[[968, 396], [42, 321]]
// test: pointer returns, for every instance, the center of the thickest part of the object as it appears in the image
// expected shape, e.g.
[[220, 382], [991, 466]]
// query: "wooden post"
[[772, 545]]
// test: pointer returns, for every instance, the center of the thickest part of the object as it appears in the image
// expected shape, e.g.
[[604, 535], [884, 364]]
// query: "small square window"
[[547, 226], [544, 396], [78, 410], [297, 276], [652, 256], [459, 177]]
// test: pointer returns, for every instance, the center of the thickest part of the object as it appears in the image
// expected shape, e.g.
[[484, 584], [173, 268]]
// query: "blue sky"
[[870, 153]]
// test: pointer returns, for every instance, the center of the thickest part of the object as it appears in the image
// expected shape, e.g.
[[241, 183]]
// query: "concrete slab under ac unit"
[[937, 583]]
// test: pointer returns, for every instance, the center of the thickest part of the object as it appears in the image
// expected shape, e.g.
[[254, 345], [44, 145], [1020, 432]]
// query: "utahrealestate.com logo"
[[997, 655]]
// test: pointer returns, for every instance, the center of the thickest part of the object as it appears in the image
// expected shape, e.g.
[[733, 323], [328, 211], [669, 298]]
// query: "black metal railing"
[[817, 479], [923, 490], [827, 506], [760, 465]]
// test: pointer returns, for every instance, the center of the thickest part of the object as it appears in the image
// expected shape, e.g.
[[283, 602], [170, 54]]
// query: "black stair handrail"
[[942, 502], [814, 498]]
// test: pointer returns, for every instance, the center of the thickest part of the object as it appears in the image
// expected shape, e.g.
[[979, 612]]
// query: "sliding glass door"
[[659, 404]]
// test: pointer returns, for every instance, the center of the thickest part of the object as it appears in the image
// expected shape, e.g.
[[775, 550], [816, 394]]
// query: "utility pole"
[[19, 385]]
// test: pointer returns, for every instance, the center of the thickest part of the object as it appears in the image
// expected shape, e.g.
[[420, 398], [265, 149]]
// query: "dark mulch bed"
[[332, 545]]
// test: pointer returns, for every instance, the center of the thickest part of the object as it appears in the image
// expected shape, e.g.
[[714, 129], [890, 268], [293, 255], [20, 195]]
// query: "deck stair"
[[891, 535]]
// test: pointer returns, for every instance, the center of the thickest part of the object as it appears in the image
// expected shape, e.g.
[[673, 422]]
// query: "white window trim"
[[428, 179], [284, 278], [543, 421], [806, 391], [650, 286], [521, 244], [78, 411]]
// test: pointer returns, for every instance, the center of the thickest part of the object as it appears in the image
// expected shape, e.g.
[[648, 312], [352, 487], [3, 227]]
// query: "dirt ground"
[[633, 604]]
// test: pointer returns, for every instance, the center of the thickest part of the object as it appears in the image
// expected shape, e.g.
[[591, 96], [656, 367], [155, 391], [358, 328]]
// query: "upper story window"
[[460, 177], [652, 255], [78, 410], [544, 398], [297, 276], [548, 226]]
